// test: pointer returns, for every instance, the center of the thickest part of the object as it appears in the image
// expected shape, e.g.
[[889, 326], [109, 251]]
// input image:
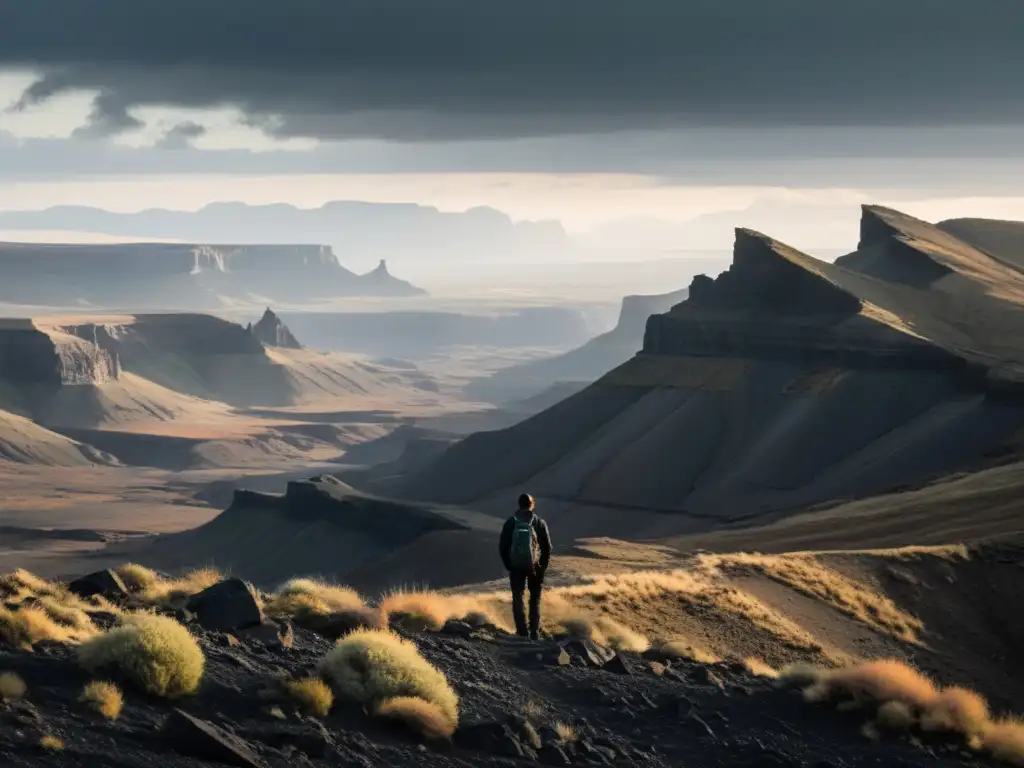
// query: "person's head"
[[526, 503]]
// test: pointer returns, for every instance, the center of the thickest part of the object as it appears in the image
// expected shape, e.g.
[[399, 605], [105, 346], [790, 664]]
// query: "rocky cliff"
[[784, 382], [270, 331], [585, 363], [162, 275]]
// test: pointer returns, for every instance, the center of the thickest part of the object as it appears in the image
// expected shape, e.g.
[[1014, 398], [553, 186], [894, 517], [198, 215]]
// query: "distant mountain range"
[[356, 230], [181, 275]]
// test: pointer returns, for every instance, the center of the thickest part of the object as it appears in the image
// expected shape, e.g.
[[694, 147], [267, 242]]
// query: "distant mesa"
[[782, 383], [181, 276], [272, 332], [585, 363]]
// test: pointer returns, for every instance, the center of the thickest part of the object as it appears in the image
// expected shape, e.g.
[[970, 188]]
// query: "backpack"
[[523, 554]]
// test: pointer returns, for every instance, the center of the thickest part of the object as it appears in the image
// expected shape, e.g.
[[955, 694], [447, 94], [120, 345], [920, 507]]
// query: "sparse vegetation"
[[137, 578], [1004, 740], [25, 626], [906, 699], [424, 717], [372, 666], [895, 716], [310, 694], [301, 598], [51, 743], [155, 652], [806, 574], [12, 687], [681, 648], [104, 698], [758, 668], [566, 733]]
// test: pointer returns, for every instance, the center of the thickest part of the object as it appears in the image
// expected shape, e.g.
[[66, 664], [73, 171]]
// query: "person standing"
[[525, 549]]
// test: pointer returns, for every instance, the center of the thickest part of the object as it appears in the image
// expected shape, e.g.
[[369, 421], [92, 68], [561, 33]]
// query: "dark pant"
[[520, 580]]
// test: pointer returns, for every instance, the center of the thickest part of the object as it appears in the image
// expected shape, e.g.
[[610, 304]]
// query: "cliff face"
[[179, 275], [782, 383], [272, 332]]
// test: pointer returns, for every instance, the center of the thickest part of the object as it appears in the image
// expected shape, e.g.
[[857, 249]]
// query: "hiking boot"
[[535, 635]]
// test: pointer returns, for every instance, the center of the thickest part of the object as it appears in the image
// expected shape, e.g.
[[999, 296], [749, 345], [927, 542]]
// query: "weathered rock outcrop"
[[272, 332], [782, 383], [171, 275], [318, 526]]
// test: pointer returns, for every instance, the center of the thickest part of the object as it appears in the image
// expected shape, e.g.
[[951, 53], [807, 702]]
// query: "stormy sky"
[[923, 96]]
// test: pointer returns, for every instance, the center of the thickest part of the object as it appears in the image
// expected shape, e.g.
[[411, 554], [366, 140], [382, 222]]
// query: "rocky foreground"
[[560, 701]]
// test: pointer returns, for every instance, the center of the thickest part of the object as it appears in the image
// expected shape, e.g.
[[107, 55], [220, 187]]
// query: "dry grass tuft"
[[371, 666], [604, 631], [805, 574], [799, 675], [155, 652], [681, 648], [758, 668], [430, 609], [566, 733], [137, 578], [880, 681], [1004, 740], [25, 626], [12, 687], [895, 716], [424, 717], [302, 598], [104, 698], [310, 694], [957, 710], [21, 583], [51, 743]]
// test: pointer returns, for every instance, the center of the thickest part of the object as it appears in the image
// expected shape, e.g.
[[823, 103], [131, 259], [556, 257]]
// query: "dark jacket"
[[543, 541]]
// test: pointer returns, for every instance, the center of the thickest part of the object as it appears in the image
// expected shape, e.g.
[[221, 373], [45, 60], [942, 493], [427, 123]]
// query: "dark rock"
[[594, 654], [200, 738], [227, 606], [457, 628], [552, 754], [341, 623], [276, 635], [492, 738], [105, 583], [621, 665], [184, 615], [228, 640]]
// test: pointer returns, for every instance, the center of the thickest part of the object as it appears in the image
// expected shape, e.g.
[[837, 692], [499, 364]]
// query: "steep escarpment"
[[783, 383], [318, 527], [1003, 240], [179, 275], [584, 363], [272, 332]]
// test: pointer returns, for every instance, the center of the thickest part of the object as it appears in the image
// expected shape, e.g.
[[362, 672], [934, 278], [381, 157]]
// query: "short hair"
[[526, 501]]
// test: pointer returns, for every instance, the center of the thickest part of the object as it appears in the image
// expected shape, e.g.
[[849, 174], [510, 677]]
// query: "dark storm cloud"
[[181, 136], [449, 69], [109, 116]]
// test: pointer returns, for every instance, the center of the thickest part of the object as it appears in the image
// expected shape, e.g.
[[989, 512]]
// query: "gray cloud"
[[109, 117], [459, 69], [978, 161], [181, 136]]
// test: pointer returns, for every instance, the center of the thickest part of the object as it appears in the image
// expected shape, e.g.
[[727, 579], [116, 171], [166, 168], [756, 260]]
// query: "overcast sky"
[[576, 109]]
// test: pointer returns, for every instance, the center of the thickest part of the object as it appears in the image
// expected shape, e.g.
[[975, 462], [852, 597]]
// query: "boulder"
[[201, 739], [621, 665], [275, 635], [105, 583], [457, 628], [227, 606], [594, 654]]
